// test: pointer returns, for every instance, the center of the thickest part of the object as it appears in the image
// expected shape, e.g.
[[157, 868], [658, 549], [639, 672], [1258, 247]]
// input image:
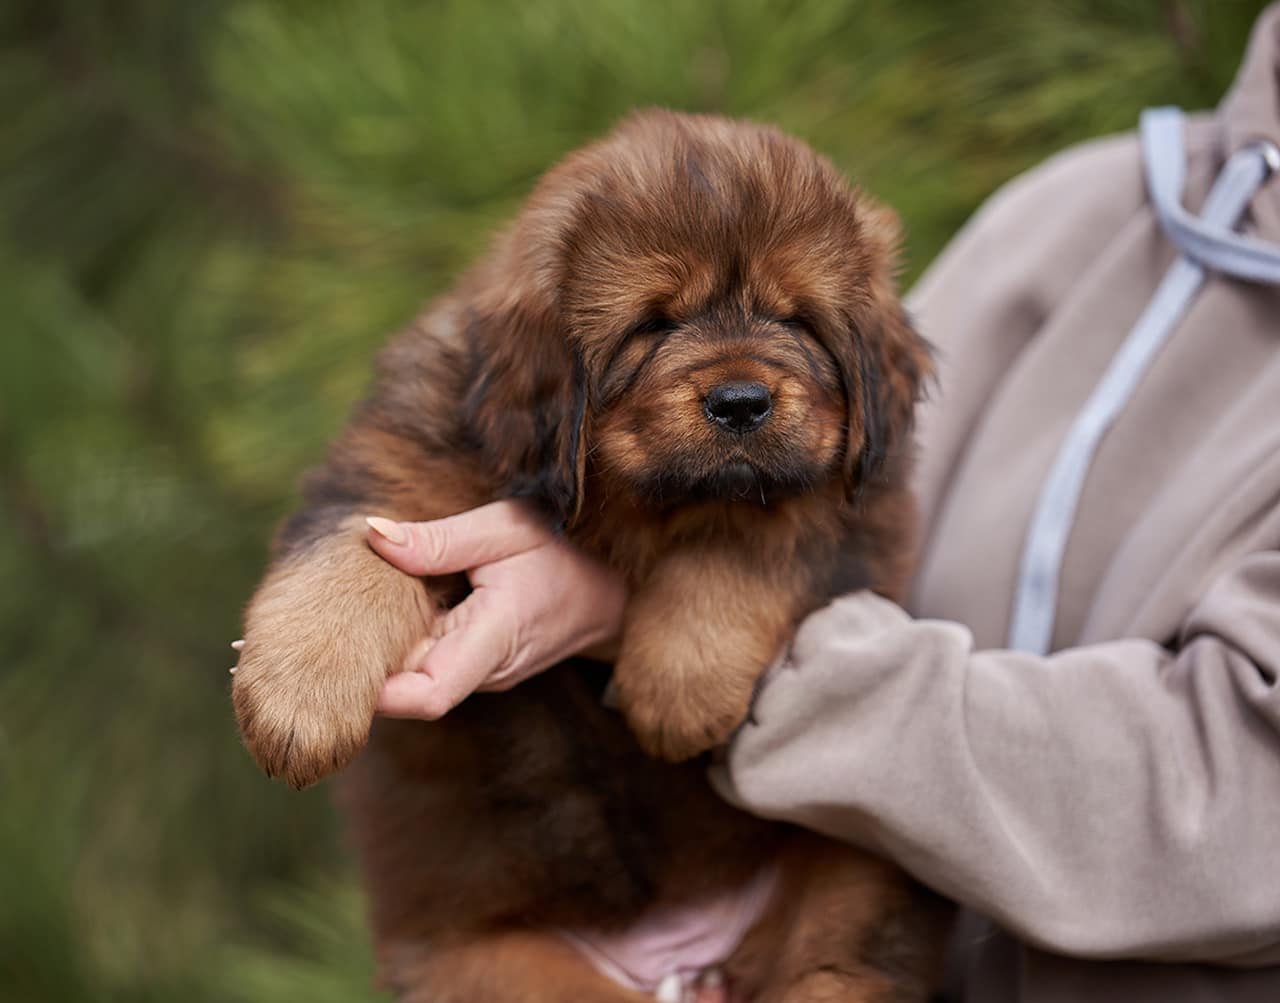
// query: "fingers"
[[458, 542], [413, 695], [477, 643]]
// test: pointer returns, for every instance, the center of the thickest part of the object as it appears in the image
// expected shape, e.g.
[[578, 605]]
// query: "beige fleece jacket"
[[1114, 807]]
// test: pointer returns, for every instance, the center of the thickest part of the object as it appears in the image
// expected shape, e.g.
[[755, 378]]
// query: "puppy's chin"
[[738, 481]]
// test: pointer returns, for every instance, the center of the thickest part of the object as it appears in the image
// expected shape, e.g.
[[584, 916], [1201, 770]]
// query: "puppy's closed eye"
[[800, 323], [656, 323], [637, 347]]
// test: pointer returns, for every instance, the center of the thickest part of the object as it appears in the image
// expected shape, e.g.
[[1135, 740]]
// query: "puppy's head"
[[707, 309]]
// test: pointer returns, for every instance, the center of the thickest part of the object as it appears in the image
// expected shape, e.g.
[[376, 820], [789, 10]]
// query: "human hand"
[[535, 600]]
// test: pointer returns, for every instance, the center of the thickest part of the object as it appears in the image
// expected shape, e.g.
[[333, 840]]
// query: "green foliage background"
[[210, 215]]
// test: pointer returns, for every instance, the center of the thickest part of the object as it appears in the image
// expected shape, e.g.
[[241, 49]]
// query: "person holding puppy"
[[1073, 729]]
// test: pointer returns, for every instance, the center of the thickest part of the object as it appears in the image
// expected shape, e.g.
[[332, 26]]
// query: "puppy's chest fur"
[[634, 538], [541, 797]]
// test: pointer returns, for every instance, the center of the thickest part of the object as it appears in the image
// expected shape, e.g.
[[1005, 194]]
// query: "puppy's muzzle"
[[739, 407]]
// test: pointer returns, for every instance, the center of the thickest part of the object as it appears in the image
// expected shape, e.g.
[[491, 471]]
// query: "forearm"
[[1114, 800]]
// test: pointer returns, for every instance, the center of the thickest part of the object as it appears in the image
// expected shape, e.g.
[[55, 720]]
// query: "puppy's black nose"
[[739, 407]]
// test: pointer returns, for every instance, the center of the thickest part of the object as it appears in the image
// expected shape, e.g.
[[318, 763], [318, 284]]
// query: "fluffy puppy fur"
[[689, 353]]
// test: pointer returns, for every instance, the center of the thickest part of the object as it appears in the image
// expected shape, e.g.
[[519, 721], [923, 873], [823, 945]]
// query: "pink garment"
[[669, 949]]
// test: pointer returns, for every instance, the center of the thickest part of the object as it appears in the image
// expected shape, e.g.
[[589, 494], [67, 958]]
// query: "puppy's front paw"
[[322, 635], [303, 713], [698, 634]]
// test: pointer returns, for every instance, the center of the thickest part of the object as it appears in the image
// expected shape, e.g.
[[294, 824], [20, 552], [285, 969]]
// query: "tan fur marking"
[[699, 633], [322, 633]]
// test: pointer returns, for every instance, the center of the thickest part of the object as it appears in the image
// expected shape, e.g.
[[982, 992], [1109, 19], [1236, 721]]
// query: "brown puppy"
[[688, 351]]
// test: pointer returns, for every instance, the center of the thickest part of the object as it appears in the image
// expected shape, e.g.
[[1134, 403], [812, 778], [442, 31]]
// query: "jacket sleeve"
[[1114, 800]]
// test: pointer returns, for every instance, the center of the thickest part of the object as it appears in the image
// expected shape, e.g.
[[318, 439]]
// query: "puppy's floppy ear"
[[894, 363], [525, 407]]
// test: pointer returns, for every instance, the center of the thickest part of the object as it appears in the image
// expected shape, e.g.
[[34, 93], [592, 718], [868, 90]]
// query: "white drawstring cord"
[[1206, 242]]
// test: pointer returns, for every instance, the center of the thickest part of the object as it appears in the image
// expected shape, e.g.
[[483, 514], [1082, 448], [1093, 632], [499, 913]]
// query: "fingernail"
[[387, 529], [238, 645], [232, 670]]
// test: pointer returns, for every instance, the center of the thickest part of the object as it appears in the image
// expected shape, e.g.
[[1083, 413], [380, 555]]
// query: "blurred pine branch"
[[212, 213]]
